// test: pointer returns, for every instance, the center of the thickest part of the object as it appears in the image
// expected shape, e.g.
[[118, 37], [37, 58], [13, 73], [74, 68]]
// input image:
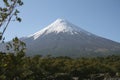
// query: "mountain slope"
[[60, 25], [62, 38]]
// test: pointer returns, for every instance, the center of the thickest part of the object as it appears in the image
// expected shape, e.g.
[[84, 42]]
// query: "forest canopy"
[[20, 67]]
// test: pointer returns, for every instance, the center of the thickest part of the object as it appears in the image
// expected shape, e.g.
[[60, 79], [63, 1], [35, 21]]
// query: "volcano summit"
[[62, 38]]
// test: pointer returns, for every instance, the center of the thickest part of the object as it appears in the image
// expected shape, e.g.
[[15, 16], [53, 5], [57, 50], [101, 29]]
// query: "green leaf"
[[5, 9], [19, 19], [20, 2], [16, 12], [6, 3]]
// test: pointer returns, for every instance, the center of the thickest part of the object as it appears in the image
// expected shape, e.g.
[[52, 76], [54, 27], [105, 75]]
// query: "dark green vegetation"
[[17, 66], [14, 67]]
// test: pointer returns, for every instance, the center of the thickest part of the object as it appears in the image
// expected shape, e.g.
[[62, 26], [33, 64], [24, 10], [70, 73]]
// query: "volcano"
[[62, 38]]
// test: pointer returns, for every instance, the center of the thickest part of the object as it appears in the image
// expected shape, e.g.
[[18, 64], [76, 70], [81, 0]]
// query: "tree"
[[11, 63], [8, 12]]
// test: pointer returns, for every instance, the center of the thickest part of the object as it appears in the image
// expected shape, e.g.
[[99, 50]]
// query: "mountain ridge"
[[62, 25], [62, 38]]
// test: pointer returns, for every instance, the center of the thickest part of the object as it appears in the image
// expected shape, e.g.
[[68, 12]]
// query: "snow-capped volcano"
[[58, 26], [62, 38]]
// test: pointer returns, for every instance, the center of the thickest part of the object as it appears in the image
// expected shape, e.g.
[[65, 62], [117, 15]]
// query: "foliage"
[[9, 12], [16, 67]]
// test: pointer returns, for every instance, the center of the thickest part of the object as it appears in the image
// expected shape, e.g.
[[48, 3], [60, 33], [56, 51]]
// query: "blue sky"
[[101, 17]]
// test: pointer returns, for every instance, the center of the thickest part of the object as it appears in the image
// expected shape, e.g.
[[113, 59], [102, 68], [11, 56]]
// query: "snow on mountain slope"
[[60, 25], [62, 38]]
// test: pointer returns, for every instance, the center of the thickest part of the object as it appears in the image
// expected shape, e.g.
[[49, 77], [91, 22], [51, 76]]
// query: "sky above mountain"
[[101, 17]]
